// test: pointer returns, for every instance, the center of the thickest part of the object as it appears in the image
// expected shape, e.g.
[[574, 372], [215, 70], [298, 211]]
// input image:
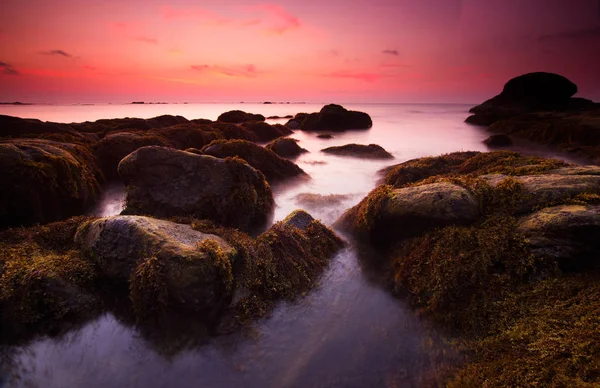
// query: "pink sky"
[[290, 50]]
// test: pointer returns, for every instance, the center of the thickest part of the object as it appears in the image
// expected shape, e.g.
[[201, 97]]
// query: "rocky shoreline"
[[496, 248]]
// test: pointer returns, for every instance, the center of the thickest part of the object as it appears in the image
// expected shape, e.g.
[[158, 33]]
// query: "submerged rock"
[[270, 164], [286, 147], [371, 151], [325, 136], [238, 116], [499, 140], [166, 182], [164, 263], [44, 181]]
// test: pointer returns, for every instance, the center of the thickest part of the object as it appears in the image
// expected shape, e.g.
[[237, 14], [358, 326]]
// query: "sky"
[[92, 51]]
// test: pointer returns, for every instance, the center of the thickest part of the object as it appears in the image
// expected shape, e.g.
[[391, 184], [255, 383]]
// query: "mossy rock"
[[266, 132], [44, 181], [238, 116], [165, 182], [233, 132], [274, 167], [498, 140], [286, 147], [187, 135], [333, 117], [165, 264], [371, 151]]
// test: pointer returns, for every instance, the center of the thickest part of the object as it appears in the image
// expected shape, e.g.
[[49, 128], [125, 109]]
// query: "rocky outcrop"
[[44, 181], [238, 116], [184, 136], [499, 140], [530, 92], [266, 132], [266, 161], [17, 127], [286, 147], [165, 182], [165, 264], [371, 151], [332, 117]]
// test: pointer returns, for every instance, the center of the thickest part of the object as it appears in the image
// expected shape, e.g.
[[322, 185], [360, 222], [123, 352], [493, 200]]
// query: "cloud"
[[362, 76], [282, 20], [7, 69], [57, 52], [391, 52], [147, 39], [576, 34], [245, 71]]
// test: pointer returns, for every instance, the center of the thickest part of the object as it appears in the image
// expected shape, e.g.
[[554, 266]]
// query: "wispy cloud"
[[361, 76], [146, 39], [282, 20], [246, 71], [59, 53], [575, 34], [7, 69], [391, 52]]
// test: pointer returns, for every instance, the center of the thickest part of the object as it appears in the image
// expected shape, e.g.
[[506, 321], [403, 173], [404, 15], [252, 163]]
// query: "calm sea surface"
[[348, 332]]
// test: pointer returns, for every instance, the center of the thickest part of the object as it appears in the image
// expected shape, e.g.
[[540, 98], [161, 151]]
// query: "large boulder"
[[286, 147], [567, 233], [165, 182], [187, 135], [528, 93], [114, 147], [238, 116], [18, 127], [44, 181], [371, 151], [164, 263], [266, 132], [332, 117], [266, 161], [387, 215]]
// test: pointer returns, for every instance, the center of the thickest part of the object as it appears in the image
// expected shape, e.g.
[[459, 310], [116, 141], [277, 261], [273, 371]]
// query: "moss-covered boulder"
[[187, 135], [44, 181], [114, 147], [333, 117], [266, 132], [164, 263], [286, 147], [14, 127], [371, 151], [567, 234], [498, 140], [238, 116], [233, 132], [266, 161], [165, 182], [387, 215]]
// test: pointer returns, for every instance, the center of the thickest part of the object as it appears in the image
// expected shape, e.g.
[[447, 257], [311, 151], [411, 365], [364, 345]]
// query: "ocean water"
[[347, 332]]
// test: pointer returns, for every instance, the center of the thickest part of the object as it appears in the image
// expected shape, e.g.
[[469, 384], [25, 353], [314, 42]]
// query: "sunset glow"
[[289, 50]]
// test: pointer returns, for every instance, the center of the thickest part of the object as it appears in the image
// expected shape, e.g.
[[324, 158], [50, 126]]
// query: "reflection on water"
[[347, 332]]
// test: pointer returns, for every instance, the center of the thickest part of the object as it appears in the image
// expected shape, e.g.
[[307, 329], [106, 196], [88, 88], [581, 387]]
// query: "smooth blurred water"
[[347, 332]]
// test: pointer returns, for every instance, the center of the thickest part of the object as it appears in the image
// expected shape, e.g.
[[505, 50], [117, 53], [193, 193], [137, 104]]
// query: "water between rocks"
[[347, 332]]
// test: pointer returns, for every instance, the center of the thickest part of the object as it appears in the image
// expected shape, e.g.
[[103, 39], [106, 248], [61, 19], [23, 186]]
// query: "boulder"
[[44, 181], [238, 116], [499, 140], [165, 182], [114, 147], [266, 132], [266, 161], [164, 263], [566, 233], [371, 151], [233, 131], [528, 93], [334, 117], [184, 136], [286, 147], [18, 127], [387, 215]]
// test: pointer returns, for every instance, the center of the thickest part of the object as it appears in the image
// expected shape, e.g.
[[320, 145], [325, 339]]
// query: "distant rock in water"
[[499, 140], [238, 117], [286, 147], [371, 151], [274, 167], [332, 117], [165, 182], [325, 136], [530, 92], [44, 181]]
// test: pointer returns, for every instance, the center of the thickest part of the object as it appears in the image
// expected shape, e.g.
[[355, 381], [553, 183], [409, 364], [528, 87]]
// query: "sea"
[[349, 331]]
